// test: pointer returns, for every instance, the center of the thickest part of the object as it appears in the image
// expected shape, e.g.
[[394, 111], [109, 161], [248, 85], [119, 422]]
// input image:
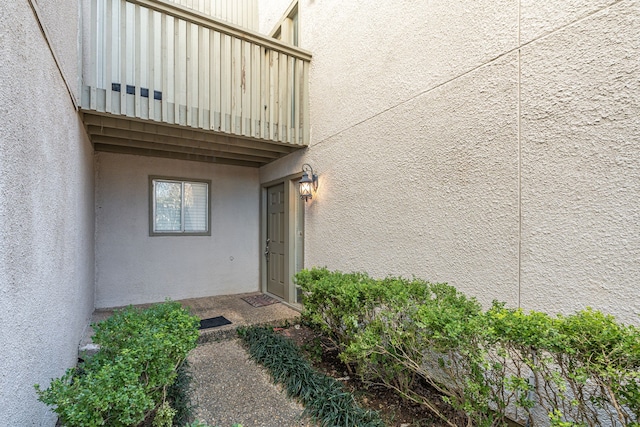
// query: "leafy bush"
[[341, 304], [435, 339], [325, 399], [586, 366], [581, 370], [127, 380]]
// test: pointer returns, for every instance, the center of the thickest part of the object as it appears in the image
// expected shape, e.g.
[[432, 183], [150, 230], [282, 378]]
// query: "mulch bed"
[[394, 410]]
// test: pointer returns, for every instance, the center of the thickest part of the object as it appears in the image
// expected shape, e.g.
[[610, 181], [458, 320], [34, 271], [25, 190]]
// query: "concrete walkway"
[[230, 388], [227, 386]]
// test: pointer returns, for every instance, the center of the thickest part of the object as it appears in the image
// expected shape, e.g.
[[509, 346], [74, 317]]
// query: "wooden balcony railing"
[[158, 61]]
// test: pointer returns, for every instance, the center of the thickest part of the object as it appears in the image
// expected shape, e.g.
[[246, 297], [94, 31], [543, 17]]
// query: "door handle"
[[266, 250]]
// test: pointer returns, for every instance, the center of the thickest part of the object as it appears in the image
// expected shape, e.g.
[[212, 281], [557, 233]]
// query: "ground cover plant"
[[128, 381], [492, 365], [322, 354], [325, 399]]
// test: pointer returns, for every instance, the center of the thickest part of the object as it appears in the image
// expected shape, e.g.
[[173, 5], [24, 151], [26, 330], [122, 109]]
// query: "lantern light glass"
[[308, 182]]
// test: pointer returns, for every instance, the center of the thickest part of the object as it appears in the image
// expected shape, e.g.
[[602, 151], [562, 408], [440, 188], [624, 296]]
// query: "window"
[[179, 207]]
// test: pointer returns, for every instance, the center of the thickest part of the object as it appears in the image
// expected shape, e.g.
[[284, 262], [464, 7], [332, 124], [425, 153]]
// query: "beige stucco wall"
[[46, 214], [491, 144], [270, 13], [133, 267], [63, 21]]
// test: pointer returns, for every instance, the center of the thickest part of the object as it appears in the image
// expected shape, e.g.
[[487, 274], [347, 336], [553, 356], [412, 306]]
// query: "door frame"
[[293, 233]]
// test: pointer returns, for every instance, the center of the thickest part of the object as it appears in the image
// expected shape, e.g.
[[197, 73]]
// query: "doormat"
[[214, 322], [260, 300]]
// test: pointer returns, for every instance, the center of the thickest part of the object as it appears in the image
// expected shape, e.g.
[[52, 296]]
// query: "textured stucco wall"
[[46, 219], [580, 136], [491, 144], [133, 267], [270, 13], [63, 23]]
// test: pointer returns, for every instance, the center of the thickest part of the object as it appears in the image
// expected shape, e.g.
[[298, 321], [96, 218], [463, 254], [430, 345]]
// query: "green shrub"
[[325, 399], [586, 366], [582, 369], [341, 304], [127, 380], [435, 339]]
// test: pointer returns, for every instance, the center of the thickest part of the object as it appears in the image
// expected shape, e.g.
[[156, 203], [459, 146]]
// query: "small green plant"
[[313, 349], [178, 394], [126, 382], [164, 415], [325, 399]]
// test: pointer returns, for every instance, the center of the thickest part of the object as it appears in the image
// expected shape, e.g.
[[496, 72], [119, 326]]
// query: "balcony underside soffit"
[[127, 135]]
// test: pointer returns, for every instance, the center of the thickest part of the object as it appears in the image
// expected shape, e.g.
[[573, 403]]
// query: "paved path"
[[229, 388]]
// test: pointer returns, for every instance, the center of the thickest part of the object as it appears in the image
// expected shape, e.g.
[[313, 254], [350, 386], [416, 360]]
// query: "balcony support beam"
[[119, 134]]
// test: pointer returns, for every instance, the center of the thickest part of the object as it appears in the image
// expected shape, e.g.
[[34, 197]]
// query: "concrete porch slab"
[[233, 307]]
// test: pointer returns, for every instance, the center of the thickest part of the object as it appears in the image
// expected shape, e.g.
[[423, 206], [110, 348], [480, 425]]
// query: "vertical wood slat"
[[215, 57], [225, 82], [151, 70], [137, 66], [123, 57], [176, 70], [282, 97], [290, 82], [304, 85], [236, 86], [194, 87], [255, 91], [93, 69], [264, 92], [108, 55], [225, 85], [203, 71], [234, 12], [298, 100], [189, 68], [273, 94], [245, 87], [164, 65]]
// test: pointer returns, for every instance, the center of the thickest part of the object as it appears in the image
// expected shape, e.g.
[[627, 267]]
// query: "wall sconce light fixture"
[[308, 184]]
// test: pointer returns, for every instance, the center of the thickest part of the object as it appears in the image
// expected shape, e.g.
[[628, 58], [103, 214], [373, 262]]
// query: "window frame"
[[152, 206]]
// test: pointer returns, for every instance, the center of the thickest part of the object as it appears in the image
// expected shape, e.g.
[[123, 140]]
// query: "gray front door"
[[275, 251]]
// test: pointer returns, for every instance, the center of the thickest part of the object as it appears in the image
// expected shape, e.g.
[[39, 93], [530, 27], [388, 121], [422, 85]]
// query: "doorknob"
[[266, 250]]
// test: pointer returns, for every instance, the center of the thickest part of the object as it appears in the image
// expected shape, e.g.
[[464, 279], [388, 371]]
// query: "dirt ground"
[[395, 411]]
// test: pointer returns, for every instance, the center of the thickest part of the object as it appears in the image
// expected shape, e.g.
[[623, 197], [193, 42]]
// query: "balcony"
[[163, 80]]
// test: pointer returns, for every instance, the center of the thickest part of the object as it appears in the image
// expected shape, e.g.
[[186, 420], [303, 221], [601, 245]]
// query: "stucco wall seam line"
[[47, 39], [563, 27], [416, 96], [519, 142], [572, 23], [516, 49], [519, 121]]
